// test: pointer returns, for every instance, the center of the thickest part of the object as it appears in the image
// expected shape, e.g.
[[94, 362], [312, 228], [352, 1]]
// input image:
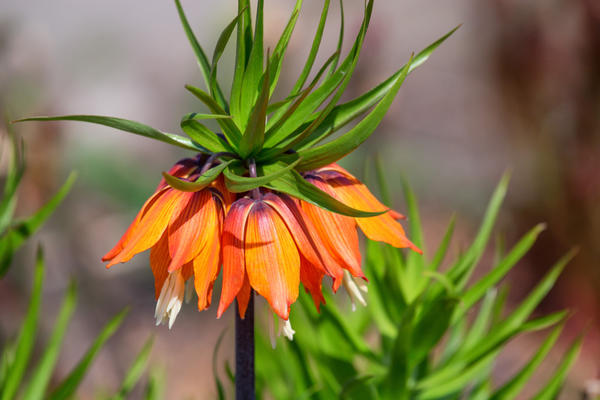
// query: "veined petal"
[[337, 232], [351, 191], [312, 279], [159, 262], [226, 196], [208, 261], [151, 225], [232, 242], [193, 221], [243, 297], [272, 259]]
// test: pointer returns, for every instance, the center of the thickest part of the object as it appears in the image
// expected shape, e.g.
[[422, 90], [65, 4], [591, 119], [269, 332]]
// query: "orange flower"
[[183, 231], [269, 246], [338, 232]]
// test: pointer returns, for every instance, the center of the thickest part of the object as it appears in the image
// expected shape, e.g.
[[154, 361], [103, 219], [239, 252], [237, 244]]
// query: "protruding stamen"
[[285, 328], [170, 299], [354, 287]]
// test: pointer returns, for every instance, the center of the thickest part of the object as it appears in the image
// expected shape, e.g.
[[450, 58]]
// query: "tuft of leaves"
[[426, 333]]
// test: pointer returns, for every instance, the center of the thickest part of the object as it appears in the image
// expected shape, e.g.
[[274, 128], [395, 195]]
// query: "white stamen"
[[285, 328], [189, 290], [170, 299], [354, 287]]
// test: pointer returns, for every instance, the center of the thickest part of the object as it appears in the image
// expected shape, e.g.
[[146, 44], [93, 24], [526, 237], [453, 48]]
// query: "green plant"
[[426, 334]]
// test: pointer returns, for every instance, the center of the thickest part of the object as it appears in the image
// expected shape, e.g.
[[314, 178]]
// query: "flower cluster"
[[265, 240]]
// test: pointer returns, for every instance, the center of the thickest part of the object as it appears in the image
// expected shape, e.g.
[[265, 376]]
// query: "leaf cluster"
[[281, 138], [426, 333]]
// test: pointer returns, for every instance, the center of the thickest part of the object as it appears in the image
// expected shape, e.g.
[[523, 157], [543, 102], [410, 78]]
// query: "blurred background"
[[516, 87]]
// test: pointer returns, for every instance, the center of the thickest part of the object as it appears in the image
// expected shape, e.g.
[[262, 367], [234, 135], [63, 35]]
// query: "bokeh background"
[[517, 87]]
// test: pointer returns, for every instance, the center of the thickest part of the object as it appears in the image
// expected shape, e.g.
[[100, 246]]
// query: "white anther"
[[170, 299]]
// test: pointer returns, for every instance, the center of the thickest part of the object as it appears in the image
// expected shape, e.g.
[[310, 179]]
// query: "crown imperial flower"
[[263, 198]]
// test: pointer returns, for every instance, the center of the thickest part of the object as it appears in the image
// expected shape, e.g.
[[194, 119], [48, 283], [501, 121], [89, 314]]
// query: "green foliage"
[[425, 334], [265, 133]]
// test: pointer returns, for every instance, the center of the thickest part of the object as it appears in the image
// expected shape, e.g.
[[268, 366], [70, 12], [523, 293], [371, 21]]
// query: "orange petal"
[[272, 259], [337, 232], [243, 297], [226, 196], [193, 220], [159, 261], [351, 191], [127, 236], [207, 264], [151, 225], [312, 280], [232, 242]]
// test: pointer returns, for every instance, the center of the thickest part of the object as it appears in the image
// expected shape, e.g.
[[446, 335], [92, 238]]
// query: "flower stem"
[[252, 170], [244, 352]]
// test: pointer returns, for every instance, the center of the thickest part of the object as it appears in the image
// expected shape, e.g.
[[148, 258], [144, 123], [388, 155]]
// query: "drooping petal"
[[337, 232], [351, 191], [312, 280], [208, 260], [191, 225], [272, 259], [151, 225], [159, 262], [232, 242], [243, 297]]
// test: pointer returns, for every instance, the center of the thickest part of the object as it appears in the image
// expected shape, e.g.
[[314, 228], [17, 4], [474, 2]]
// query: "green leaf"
[[310, 60], [282, 44], [124, 125], [230, 130], [338, 81], [219, 48], [199, 116], [254, 70], [69, 385], [513, 387], [552, 388], [478, 289], [254, 135], [21, 230], [203, 180], [295, 185], [338, 148], [43, 372], [25, 342], [240, 184], [204, 137], [218, 383], [135, 371], [205, 67], [443, 247], [243, 49], [340, 39], [461, 271], [13, 178], [155, 386], [344, 113]]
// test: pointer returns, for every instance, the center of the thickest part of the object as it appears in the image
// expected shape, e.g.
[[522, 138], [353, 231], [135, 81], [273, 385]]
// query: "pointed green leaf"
[[254, 135], [347, 112], [155, 386], [513, 387], [443, 247], [219, 49], [461, 271], [552, 388], [239, 184], [310, 60], [242, 52], [281, 47], [124, 125], [295, 185], [13, 178], [69, 385], [340, 39], [26, 340], [218, 383], [204, 137], [45, 368], [21, 230], [199, 117], [254, 69], [203, 180], [200, 56], [340, 147], [230, 130], [135, 372]]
